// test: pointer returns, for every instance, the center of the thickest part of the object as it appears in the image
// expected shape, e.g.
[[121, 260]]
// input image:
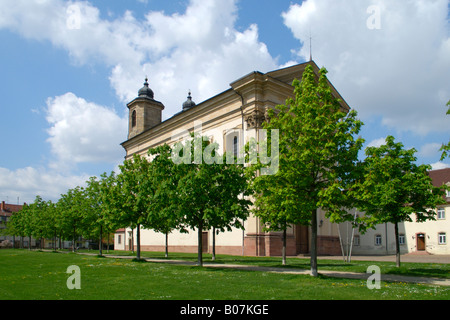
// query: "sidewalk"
[[336, 274]]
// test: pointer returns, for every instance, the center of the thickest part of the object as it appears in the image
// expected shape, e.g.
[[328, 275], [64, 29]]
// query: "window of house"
[[119, 239], [441, 213], [401, 239], [356, 241], [378, 240], [442, 238]]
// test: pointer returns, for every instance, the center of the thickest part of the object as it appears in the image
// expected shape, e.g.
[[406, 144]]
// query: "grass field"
[[34, 275], [407, 269]]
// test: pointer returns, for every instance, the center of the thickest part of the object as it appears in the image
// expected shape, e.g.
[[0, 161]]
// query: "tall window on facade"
[[378, 240], [442, 238], [235, 146], [401, 239], [133, 119], [441, 213]]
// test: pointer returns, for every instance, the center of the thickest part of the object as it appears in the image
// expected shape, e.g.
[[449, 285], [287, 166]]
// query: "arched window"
[[235, 146], [133, 119]]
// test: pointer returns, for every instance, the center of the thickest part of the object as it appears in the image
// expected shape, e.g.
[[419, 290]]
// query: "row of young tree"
[[150, 192], [318, 167]]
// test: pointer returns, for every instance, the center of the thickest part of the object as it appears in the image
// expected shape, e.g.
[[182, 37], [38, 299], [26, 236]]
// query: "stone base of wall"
[[269, 245], [328, 245], [229, 250]]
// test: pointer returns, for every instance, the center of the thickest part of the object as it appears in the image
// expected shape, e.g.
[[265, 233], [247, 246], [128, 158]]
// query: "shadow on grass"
[[420, 272]]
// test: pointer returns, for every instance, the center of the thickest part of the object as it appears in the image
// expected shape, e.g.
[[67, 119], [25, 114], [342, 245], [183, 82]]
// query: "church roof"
[[145, 91], [188, 103]]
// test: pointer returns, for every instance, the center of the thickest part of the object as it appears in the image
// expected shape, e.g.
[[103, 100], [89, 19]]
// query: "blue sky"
[[64, 86]]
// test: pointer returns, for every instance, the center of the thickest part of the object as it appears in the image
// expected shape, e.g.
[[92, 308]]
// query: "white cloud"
[[83, 132], [398, 72], [27, 183], [199, 49], [377, 142], [439, 165]]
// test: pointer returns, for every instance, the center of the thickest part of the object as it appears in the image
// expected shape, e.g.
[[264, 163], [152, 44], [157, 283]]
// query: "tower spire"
[[310, 45]]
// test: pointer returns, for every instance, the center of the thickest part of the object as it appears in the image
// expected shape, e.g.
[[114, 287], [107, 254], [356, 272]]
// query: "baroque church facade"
[[231, 119]]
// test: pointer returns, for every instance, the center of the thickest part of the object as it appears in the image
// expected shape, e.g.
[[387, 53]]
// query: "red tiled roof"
[[10, 208], [440, 177]]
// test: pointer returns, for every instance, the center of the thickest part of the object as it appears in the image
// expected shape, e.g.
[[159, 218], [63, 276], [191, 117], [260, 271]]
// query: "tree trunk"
[[100, 247], [138, 242], [214, 245], [314, 243], [107, 243], [167, 245], [73, 240], [200, 244], [284, 247], [397, 246]]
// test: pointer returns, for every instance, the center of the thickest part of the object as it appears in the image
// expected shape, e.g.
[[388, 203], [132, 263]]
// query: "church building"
[[231, 119]]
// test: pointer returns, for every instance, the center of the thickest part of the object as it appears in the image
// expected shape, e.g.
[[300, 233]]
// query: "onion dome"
[[145, 91], [188, 103]]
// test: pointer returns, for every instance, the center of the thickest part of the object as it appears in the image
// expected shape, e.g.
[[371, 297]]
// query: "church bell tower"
[[144, 112]]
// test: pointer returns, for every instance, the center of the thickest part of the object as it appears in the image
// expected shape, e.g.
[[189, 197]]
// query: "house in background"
[[6, 211], [428, 237]]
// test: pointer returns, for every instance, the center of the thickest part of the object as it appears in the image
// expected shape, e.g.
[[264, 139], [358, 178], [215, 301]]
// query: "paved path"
[[336, 274], [411, 257]]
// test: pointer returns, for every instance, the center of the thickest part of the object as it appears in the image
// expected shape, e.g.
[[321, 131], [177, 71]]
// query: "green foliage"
[[72, 205], [212, 194], [163, 212], [317, 157], [392, 188], [99, 213]]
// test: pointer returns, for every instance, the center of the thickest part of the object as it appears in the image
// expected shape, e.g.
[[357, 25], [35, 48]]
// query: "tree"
[[446, 147], [133, 195], [229, 201], [43, 221], [99, 213], [318, 153], [52, 222], [16, 224], [393, 188], [163, 213], [272, 206], [71, 206], [210, 192]]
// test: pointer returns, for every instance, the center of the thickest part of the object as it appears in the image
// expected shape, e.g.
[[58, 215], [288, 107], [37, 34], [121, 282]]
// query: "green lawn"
[[406, 269], [34, 275]]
